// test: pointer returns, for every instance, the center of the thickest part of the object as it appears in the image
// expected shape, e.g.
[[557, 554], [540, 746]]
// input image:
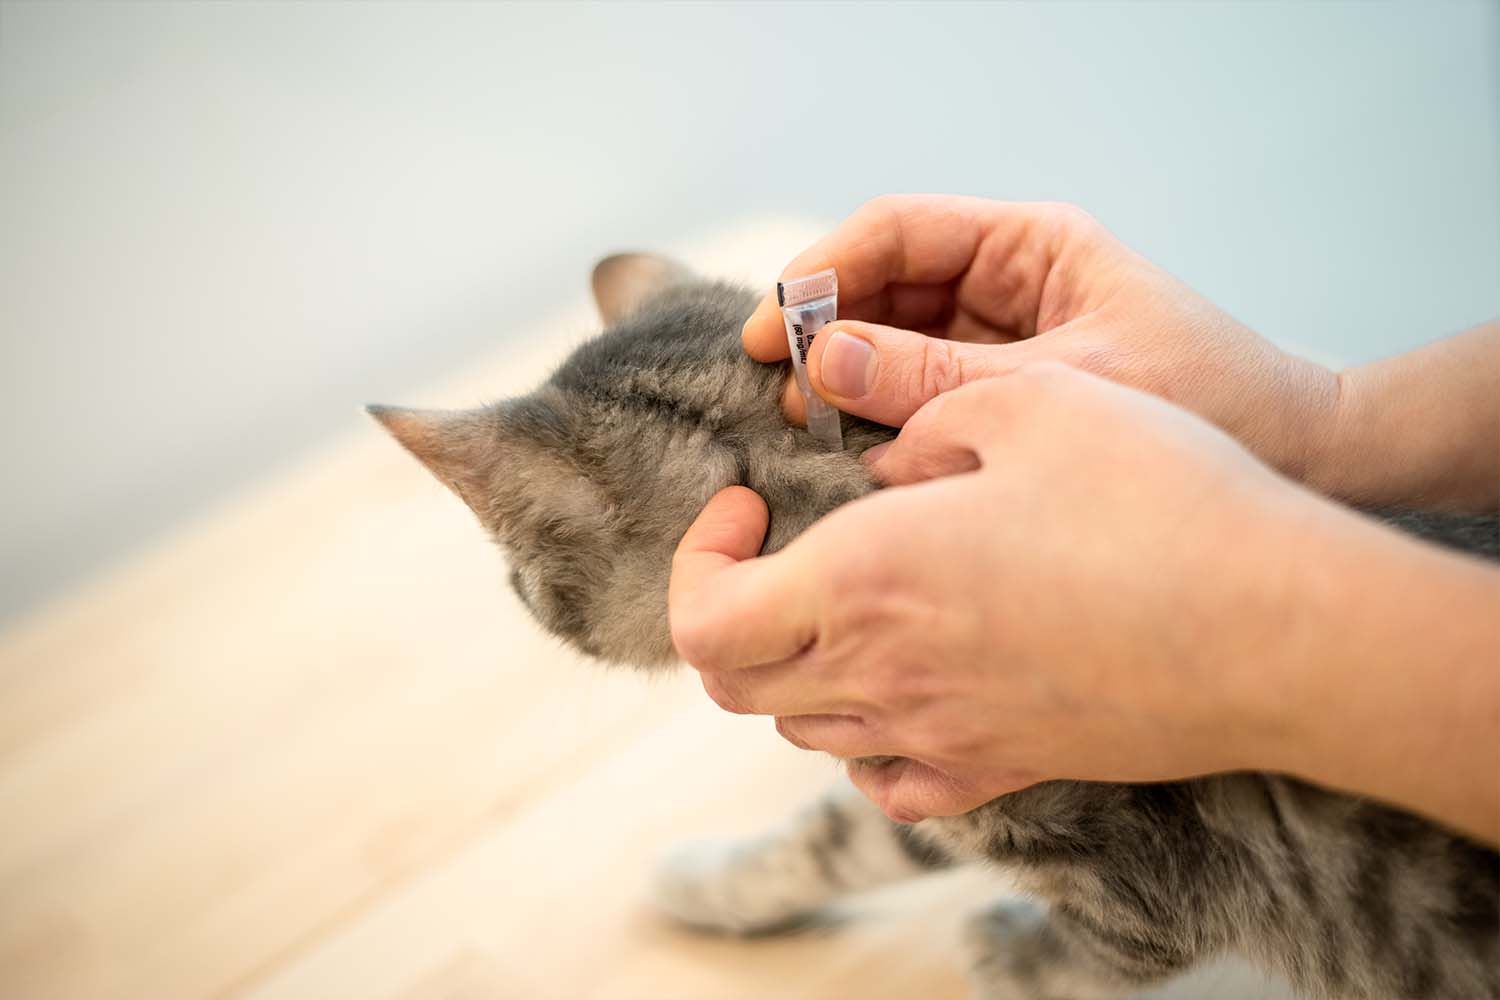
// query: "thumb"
[[886, 374], [727, 608]]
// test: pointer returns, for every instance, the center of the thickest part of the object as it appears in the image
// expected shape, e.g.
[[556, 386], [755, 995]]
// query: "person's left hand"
[[1063, 581]]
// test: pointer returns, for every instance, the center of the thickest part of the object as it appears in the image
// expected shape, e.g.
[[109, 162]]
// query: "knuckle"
[[886, 801], [972, 405], [903, 686], [874, 216], [851, 577], [725, 696], [690, 638], [884, 206], [936, 422], [1049, 370], [944, 739], [939, 369], [1041, 381], [1070, 218], [787, 729], [980, 393]]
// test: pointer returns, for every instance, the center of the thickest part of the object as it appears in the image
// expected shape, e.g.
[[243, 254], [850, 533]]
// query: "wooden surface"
[[312, 748]]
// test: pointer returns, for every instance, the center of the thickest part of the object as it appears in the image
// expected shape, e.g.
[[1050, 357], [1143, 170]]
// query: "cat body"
[[589, 482]]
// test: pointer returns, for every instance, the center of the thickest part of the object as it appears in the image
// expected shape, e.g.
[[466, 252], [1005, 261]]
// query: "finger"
[[910, 239], [885, 374], [844, 735], [950, 435], [918, 307], [797, 686], [792, 403], [958, 431], [726, 607], [997, 255], [960, 327], [907, 306], [909, 791], [764, 335], [968, 328]]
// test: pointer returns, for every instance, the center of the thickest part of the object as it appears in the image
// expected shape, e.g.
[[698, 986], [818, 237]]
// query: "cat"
[[589, 482]]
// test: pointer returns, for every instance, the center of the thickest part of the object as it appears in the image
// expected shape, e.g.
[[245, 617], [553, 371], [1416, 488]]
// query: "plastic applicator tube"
[[807, 305]]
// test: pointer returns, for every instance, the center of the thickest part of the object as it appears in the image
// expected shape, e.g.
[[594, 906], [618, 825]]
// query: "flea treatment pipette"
[[807, 305]]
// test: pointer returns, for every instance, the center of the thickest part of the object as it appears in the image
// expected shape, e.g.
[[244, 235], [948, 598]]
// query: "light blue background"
[[224, 226]]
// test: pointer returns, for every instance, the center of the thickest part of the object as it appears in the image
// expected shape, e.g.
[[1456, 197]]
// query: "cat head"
[[558, 485]]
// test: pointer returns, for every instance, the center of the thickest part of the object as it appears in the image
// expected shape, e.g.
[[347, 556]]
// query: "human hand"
[[996, 285], [1064, 583]]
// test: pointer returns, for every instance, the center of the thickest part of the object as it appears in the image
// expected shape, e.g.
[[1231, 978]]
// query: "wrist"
[[1332, 465], [1418, 430], [1273, 628], [1365, 682], [1309, 416]]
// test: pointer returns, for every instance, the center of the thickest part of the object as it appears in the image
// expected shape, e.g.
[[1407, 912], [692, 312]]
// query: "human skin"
[[995, 285], [1073, 579]]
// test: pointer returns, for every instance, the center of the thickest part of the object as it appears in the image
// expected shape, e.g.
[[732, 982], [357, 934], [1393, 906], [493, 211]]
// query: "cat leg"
[[1024, 951], [839, 845]]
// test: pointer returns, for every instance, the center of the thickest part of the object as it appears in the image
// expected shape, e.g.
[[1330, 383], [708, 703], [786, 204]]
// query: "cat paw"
[[718, 887], [994, 939], [999, 926]]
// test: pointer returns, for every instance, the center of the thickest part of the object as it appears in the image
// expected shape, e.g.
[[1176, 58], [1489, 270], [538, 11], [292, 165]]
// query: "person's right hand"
[[955, 289]]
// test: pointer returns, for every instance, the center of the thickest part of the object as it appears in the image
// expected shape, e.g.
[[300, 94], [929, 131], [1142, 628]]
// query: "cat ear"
[[625, 280], [457, 446]]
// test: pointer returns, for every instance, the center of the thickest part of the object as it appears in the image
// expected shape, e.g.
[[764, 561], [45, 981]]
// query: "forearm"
[[1418, 430], [1385, 677]]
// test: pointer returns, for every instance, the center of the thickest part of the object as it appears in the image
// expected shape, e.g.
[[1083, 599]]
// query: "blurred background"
[[225, 226]]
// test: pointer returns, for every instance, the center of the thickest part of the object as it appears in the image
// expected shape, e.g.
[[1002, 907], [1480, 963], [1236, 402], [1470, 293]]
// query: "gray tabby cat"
[[589, 482]]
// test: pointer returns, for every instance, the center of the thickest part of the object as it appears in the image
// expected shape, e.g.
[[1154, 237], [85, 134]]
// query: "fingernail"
[[848, 366], [873, 455]]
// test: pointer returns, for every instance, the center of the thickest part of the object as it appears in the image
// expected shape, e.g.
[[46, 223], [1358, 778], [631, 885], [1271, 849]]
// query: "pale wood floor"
[[311, 748]]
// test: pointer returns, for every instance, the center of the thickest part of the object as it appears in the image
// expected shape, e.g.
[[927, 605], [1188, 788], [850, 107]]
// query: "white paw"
[[996, 929], [992, 938], [723, 887]]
